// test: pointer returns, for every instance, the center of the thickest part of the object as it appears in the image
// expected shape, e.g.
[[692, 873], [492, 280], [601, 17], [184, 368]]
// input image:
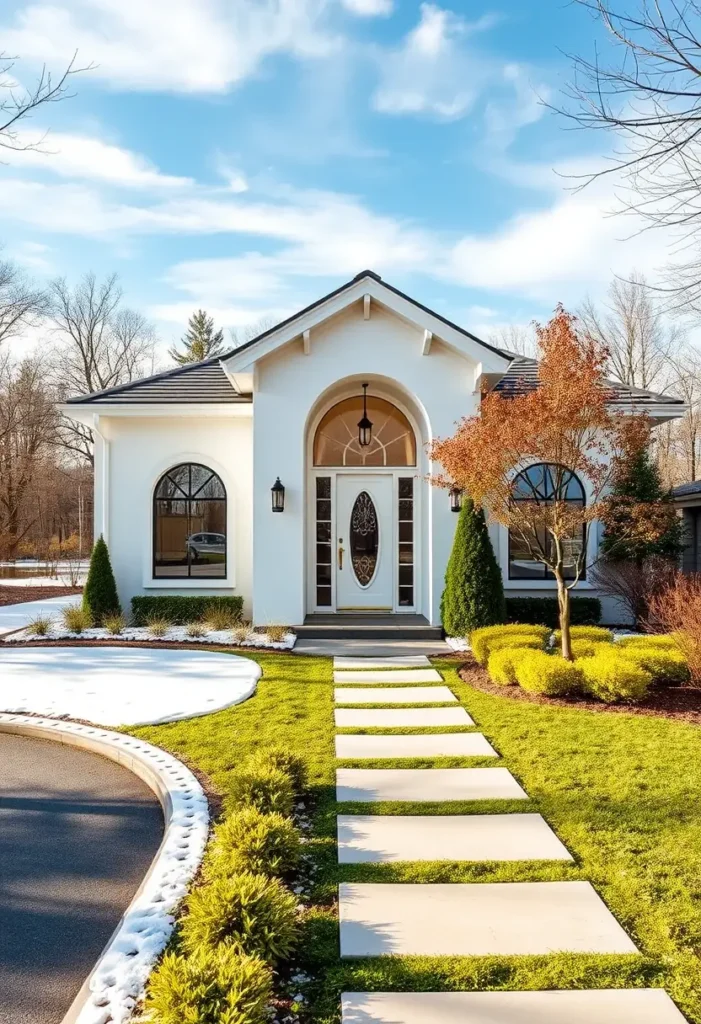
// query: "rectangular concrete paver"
[[490, 918], [394, 695], [426, 785], [411, 661], [449, 744], [387, 676], [399, 718], [604, 1006], [382, 839]]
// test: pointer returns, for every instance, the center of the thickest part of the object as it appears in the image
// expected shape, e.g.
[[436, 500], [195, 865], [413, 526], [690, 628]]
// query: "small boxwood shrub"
[[267, 844], [483, 640], [550, 674], [210, 986], [100, 593], [261, 785], [286, 761], [502, 664], [544, 611], [180, 609], [666, 666], [251, 913], [612, 677], [595, 634]]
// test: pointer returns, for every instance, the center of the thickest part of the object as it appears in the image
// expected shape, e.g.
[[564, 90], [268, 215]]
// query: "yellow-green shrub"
[[264, 786], [209, 987], [663, 641], [249, 840], [666, 665], [502, 664], [250, 913], [550, 674], [488, 638], [613, 677], [596, 634], [285, 760], [586, 648]]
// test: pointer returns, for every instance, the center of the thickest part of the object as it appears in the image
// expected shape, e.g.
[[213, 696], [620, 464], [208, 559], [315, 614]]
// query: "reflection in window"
[[336, 440], [544, 484], [189, 524]]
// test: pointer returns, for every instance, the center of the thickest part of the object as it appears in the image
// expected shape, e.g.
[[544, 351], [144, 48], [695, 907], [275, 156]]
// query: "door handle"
[[340, 555]]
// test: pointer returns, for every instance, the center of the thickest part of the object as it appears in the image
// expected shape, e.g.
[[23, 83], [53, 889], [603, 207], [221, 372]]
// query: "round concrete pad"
[[605, 1006], [484, 919], [123, 685], [385, 838], [449, 744], [426, 785], [399, 718]]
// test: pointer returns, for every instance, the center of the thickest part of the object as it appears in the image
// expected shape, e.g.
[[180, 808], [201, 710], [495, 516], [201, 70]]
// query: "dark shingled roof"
[[522, 375], [687, 490], [203, 382]]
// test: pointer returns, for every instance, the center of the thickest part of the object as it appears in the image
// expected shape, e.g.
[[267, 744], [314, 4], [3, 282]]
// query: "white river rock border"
[[117, 982]]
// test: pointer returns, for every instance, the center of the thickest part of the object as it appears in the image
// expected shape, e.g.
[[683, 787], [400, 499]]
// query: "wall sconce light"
[[277, 492], [455, 498]]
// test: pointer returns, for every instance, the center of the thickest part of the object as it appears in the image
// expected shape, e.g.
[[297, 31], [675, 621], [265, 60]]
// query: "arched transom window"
[[544, 484], [189, 524], [336, 440]]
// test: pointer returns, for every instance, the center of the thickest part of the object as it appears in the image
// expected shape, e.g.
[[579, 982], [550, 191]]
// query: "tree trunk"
[[563, 600]]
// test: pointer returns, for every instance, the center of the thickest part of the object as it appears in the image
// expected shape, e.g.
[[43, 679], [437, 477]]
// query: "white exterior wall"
[[139, 451], [288, 385]]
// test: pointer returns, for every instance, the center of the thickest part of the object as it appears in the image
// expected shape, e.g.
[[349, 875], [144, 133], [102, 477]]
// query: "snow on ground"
[[457, 643], [15, 616], [42, 581], [142, 634], [123, 686]]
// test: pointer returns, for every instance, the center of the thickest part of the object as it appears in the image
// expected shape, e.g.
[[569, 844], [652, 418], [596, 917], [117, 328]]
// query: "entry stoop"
[[368, 627]]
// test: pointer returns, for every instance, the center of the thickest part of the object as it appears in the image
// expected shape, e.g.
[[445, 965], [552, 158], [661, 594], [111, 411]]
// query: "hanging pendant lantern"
[[455, 498], [364, 424]]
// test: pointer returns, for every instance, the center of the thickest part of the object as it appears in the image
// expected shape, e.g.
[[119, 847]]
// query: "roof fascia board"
[[657, 411], [356, 291], [85, 412]]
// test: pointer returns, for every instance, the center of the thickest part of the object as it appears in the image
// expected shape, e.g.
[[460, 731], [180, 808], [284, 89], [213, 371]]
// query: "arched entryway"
[[365, 446]]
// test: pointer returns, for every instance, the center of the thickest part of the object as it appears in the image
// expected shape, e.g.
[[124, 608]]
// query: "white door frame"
[[334, 473]]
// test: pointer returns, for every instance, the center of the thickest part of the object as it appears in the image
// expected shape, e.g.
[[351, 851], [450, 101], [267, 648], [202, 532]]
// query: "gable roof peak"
[[367, 273]]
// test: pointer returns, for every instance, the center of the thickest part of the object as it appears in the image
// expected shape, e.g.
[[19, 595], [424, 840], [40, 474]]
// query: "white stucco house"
[[189, 464]]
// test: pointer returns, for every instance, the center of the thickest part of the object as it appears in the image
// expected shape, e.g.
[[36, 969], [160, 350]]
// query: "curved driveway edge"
[[117, 981]]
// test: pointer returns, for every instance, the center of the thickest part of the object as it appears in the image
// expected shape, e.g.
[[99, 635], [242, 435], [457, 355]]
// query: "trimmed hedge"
[[267, 844], [180, 609], [613, 677], [544, 611], [593, 634], [285, 761], [263, 786], [481, 640], [666, 665], [502, 664], [550, 674]]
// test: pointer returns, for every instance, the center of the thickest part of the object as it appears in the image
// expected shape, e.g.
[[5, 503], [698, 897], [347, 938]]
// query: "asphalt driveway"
[[77, 835]]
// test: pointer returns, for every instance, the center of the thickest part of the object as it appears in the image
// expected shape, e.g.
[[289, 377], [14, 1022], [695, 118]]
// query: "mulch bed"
[[681, 703], [17, 595]]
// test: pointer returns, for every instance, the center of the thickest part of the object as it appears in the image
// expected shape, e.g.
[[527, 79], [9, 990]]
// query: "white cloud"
[[368, 8], [81, 156], [180, 45]]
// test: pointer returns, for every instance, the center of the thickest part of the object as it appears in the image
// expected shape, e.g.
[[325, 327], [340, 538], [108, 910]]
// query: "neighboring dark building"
[[687, 498]]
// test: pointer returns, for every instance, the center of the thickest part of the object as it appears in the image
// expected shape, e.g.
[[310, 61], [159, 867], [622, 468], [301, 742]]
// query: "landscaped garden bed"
[[236, 636]]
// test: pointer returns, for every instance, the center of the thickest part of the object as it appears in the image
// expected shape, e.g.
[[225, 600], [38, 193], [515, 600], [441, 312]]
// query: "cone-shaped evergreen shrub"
[[100, 593], [474, 591]]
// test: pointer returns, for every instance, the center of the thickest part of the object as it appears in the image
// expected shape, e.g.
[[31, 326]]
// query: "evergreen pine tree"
[[639, 483], [200, 342], [100, 593], [474, 590]]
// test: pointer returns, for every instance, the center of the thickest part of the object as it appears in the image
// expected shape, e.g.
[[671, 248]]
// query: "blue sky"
[[248, 156]]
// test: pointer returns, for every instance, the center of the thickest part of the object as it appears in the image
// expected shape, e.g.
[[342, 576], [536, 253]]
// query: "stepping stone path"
[[464, 919]]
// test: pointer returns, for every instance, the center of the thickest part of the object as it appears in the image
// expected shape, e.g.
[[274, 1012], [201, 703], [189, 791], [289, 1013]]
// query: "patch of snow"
[[42, 581], [119, 978], [142, 634], [123, 686], [458, 643], [15, 616]]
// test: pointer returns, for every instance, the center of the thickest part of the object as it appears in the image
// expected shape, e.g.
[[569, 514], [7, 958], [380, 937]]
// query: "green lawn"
[[623, 792]]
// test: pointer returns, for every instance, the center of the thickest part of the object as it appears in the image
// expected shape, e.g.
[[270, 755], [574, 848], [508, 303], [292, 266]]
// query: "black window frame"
[[189, 499], [545, 498]]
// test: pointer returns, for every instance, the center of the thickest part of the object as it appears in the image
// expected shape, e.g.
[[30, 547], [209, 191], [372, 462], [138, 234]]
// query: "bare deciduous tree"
[[631, 325], [101, 344], [18, 104], [515, 338], [679, 443], [22, 304], [241, 335]]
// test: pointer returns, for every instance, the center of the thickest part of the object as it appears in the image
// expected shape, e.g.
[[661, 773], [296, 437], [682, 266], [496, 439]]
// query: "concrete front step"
[[394, 695], [384, 839], [369, 627], [449, 744], [400, 718], [484, 919], [604, 1006], [408, 661], [425, 785], [386, 677]]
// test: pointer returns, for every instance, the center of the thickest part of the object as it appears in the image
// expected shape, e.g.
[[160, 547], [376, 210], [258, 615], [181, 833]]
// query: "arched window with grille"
[[544, 484], [336, 442], [189, 524]]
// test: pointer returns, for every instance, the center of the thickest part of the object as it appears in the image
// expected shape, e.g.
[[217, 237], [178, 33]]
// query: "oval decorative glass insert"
[[364, 538]]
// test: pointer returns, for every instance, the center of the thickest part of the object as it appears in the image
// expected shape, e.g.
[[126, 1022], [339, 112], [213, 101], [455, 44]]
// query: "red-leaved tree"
[[566, 422]]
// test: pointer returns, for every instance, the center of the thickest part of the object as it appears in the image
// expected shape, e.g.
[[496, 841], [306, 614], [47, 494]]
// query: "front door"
[[365, 543]]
